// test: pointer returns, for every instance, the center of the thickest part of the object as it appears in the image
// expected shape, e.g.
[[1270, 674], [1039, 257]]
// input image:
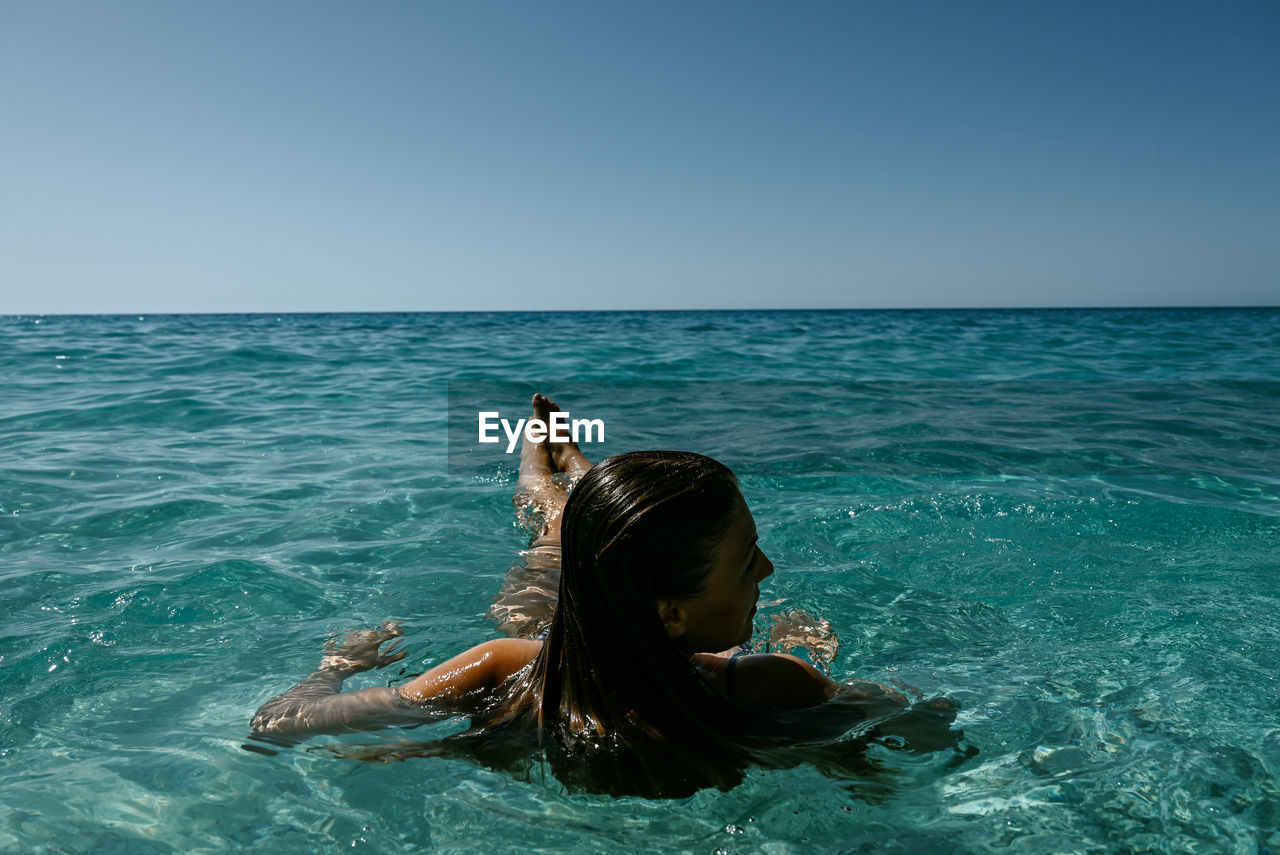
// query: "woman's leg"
[[539, 497], [527, 599]]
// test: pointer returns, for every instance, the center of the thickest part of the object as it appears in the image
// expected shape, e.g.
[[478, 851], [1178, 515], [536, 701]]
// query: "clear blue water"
[[1067, 520]]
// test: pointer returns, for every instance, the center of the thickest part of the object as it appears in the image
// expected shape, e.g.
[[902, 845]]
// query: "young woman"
[[625, 668]]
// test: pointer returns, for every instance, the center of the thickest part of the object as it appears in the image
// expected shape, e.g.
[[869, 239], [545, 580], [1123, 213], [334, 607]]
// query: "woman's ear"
[[672, 617]]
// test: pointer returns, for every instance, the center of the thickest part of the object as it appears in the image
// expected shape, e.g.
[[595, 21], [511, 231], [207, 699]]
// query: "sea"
[[1067, 521]]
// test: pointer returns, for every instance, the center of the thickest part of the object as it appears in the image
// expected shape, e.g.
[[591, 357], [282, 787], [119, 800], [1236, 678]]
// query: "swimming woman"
[[632, 679]]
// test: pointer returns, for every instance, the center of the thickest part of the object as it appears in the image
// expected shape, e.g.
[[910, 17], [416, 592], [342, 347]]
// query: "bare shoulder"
[[473, 671], [773, 681]]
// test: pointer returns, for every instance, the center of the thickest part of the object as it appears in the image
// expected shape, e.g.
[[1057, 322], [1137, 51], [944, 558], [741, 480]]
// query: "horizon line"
[[254, 313]]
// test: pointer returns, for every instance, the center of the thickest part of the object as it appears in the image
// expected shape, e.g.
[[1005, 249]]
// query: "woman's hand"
[[358, 651], [798, 628]]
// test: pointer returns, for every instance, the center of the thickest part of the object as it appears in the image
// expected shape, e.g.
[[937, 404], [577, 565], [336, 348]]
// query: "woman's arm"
[[780, 681], [784, 681], [766, 680], [318, 704]]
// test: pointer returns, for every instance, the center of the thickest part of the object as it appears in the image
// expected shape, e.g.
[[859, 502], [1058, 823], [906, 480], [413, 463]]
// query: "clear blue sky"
[[332, 156]]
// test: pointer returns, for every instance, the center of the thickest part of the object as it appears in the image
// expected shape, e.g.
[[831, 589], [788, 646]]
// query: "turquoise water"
[[1069, 521]]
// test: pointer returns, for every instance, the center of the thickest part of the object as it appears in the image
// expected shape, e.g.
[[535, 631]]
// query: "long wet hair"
[[618, 703]]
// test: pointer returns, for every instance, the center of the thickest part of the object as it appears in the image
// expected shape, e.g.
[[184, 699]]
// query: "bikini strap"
[[729, 669]]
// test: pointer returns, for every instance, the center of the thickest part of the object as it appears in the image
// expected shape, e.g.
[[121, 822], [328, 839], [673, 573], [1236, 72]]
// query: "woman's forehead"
[[741, 534]]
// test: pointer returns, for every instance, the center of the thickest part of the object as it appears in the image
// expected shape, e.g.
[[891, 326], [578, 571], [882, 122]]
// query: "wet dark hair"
[[641, 527], [623, 708]]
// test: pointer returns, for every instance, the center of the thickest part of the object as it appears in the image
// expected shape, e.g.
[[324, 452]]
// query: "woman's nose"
[[766, 566]]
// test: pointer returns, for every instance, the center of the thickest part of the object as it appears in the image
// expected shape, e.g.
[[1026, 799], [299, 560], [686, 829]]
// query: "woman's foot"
[[540, 496], [566, 456], [537, 467]]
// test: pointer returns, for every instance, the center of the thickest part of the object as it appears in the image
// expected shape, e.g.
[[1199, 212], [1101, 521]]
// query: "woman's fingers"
[[359, 648], [394, 653]]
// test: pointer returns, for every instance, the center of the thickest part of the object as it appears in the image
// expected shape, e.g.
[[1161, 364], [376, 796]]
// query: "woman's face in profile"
[[720, 616]]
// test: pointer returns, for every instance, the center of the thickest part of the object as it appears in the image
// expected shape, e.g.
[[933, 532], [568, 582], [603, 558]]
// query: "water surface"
[[1067, 520]]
